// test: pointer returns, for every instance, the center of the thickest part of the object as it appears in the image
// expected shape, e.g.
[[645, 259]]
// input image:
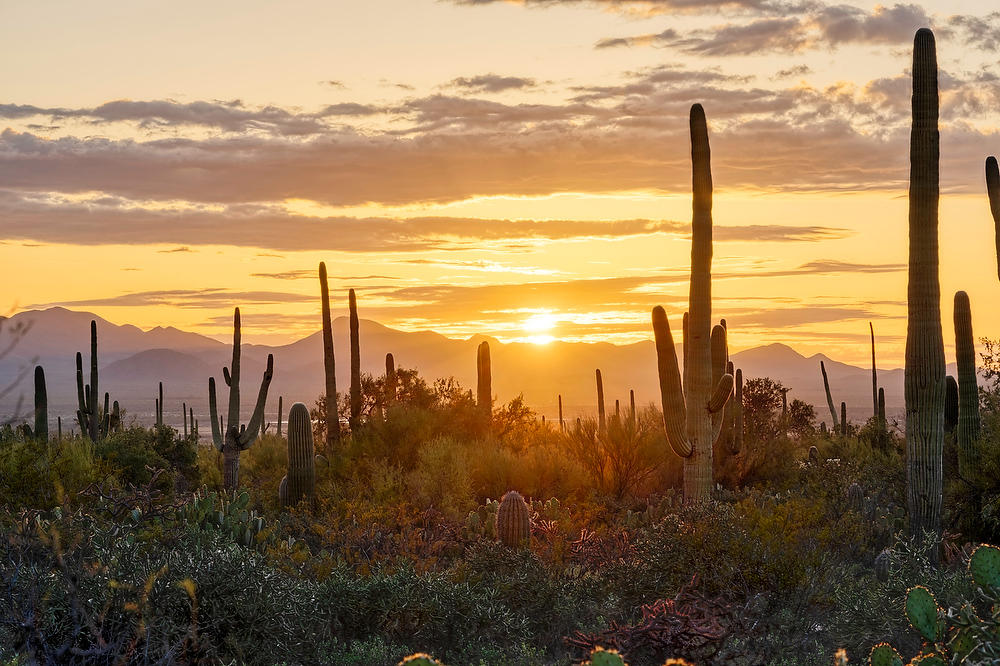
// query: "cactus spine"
[[602, 422], [924, 372], [300, 481], [484, 379], [355, 361], [692, 413], [236, 438], [513, 527], [41, 406], [329, 363], [968, 390], [993, 192], [829, 397]]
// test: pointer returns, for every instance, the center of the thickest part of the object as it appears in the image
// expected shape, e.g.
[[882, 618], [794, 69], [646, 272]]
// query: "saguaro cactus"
[[159, 407], [300, 481], [236, 438], [874, 375], [968, 390], [993, 192], [93, 422], [41, 406], [513, 527], [280, 413], [562, 424], [602, 422], [692, 413], [924, 381], [484, 378], [829, 398], [731, 434], [843, 419], [329, 363], [390, 379], [950, 404], [355, 361]]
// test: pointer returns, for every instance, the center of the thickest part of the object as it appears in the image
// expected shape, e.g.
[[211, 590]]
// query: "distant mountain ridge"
[[133, 362]]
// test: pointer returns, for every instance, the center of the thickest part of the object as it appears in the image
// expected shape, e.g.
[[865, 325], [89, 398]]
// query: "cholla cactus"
[[692, 412], [513, 526]]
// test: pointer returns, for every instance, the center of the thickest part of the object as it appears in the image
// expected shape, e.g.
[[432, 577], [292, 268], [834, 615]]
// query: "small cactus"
[[513, 524], [984, 565], [884, 654], [300, 481], [922, 611], [41, 406], [602, 657], [420, 659], [882, 563], [813, 455], [855, 498]]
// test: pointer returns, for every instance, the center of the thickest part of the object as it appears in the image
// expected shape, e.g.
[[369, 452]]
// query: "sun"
[[538, 325]]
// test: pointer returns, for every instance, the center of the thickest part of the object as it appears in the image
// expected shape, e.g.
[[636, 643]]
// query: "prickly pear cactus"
[[602, 657], [884, 654], [984, 565], [922, 611], [420, 659]]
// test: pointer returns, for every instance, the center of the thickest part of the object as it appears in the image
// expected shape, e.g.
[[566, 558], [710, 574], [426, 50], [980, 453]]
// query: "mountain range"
[[133, 361]]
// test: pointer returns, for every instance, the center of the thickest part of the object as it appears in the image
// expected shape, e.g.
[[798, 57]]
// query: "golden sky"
[[517, 169]]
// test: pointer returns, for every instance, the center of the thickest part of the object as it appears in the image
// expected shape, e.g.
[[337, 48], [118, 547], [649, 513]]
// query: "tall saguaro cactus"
[[993, 192], [602, 422], [94, 423], [484, 378], [300, 481], [924, 383], [874, 374], [829, 397], [355, 361], [329, 363], [41, 406], [390, 379], [562, 424], [968, 390], [692, 413], [236, 438]]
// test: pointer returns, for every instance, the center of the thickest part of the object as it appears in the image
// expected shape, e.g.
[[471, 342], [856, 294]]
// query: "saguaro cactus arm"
[[829, 397], [213, 411], [671, 391], [248, 435], [968, 390], [232, 375]]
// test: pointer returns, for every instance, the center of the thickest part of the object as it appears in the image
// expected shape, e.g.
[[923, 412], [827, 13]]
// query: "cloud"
[[791, 72], [647, 8], [820, 27], [185, 298], [492, 83], [57, 220]]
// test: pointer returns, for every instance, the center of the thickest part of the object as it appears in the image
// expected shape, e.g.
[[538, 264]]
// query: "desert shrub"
[[441, 478], [42, 474]]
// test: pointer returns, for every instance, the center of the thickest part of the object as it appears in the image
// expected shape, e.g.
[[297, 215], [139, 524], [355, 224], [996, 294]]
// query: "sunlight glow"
[[543, 321]]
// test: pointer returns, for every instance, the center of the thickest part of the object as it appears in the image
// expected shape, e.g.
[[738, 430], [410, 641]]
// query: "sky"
[[519, 169]]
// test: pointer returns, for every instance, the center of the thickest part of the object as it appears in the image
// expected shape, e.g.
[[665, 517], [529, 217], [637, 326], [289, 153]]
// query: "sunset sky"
[[517, 169]]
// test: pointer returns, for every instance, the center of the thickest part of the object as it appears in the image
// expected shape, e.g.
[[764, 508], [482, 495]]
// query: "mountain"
[[133, 362]]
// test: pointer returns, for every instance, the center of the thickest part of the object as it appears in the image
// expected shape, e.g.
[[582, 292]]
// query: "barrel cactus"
[[300, 482], [513, 524]]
